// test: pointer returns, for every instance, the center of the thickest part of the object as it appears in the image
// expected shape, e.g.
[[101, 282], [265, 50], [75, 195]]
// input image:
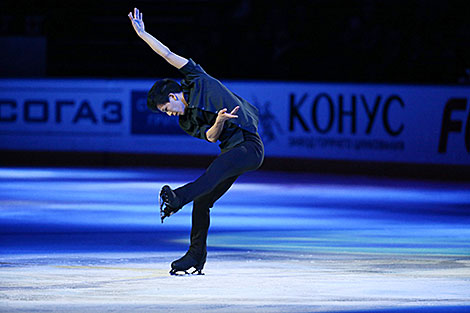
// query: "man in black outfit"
[[206, 110]]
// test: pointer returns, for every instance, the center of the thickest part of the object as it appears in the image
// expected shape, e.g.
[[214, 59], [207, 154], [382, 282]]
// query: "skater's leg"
[[243, 158], [196, 255], [201, 216]]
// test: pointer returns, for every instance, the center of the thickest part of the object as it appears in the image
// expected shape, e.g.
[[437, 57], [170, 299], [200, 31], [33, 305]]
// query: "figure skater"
[[207, 110]]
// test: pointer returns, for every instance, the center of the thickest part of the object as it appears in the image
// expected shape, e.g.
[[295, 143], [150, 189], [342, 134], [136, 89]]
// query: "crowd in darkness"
[[400, 41], [377, 41]]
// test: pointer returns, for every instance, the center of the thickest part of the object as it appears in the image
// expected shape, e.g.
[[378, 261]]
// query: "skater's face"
[[174, 107]]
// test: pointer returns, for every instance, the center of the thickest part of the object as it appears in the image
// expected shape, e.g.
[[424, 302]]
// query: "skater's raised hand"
[[222, 116], [137, 22], [172, 58]]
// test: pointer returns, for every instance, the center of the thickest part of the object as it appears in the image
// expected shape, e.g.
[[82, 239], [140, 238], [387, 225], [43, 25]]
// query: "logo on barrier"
[[146, 122], [270, 127], [451, 125], [324, 108], [375, 123]]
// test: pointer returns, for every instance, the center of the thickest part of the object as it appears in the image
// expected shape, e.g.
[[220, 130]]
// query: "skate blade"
[[185, 273], [178, 273], [197, 272], [162, 213]]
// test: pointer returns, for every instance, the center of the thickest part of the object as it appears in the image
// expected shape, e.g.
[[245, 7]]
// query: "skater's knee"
[[203, 203]]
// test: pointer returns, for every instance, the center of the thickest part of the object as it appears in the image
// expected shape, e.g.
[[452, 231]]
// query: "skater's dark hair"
[[159, 92]]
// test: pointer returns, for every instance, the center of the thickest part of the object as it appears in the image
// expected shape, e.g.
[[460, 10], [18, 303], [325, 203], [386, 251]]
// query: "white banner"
[[388, 123]]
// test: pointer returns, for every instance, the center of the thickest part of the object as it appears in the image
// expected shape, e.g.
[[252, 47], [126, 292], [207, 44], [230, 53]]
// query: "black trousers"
[[218, 178]]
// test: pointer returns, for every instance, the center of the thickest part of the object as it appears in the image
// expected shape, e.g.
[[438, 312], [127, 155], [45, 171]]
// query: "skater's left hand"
[[214, 132], [222, 116], [137, 22]]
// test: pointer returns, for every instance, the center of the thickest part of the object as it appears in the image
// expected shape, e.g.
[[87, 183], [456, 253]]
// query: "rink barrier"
[[313, 121]]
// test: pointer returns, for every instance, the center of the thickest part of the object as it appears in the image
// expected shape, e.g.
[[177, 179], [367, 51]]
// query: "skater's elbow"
[[212, 134], [211, 139]]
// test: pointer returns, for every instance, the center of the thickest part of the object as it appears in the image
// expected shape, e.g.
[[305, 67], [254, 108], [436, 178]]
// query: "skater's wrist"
[[214, 132], [143, 35], [219, 121]]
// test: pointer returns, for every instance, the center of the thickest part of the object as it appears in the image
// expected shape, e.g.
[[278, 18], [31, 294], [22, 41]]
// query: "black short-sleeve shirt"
[[206, 96]]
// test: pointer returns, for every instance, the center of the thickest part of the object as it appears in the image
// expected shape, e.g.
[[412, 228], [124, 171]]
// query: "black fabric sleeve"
[[191, 70]]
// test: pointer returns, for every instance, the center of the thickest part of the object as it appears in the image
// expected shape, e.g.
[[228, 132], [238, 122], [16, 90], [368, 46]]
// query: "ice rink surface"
[[90, 240]]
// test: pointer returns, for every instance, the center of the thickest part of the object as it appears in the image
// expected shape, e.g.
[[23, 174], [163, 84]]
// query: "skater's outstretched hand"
[[172, 58], [137, 22], [222, 116]]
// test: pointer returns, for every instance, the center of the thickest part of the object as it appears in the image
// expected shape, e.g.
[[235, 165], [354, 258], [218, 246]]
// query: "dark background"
[[412, 41]]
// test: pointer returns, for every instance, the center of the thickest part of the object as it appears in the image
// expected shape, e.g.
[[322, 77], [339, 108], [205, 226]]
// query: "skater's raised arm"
[[172, 58]]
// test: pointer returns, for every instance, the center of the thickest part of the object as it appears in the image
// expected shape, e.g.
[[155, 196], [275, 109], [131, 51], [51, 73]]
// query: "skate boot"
[[186, 262], [170, 200]]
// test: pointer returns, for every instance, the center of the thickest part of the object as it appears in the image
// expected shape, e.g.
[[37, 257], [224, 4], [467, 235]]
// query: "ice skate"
[[168, 199], [182, 265]]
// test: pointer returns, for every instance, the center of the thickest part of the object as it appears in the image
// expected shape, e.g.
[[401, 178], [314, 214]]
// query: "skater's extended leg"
[[243, 158]]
